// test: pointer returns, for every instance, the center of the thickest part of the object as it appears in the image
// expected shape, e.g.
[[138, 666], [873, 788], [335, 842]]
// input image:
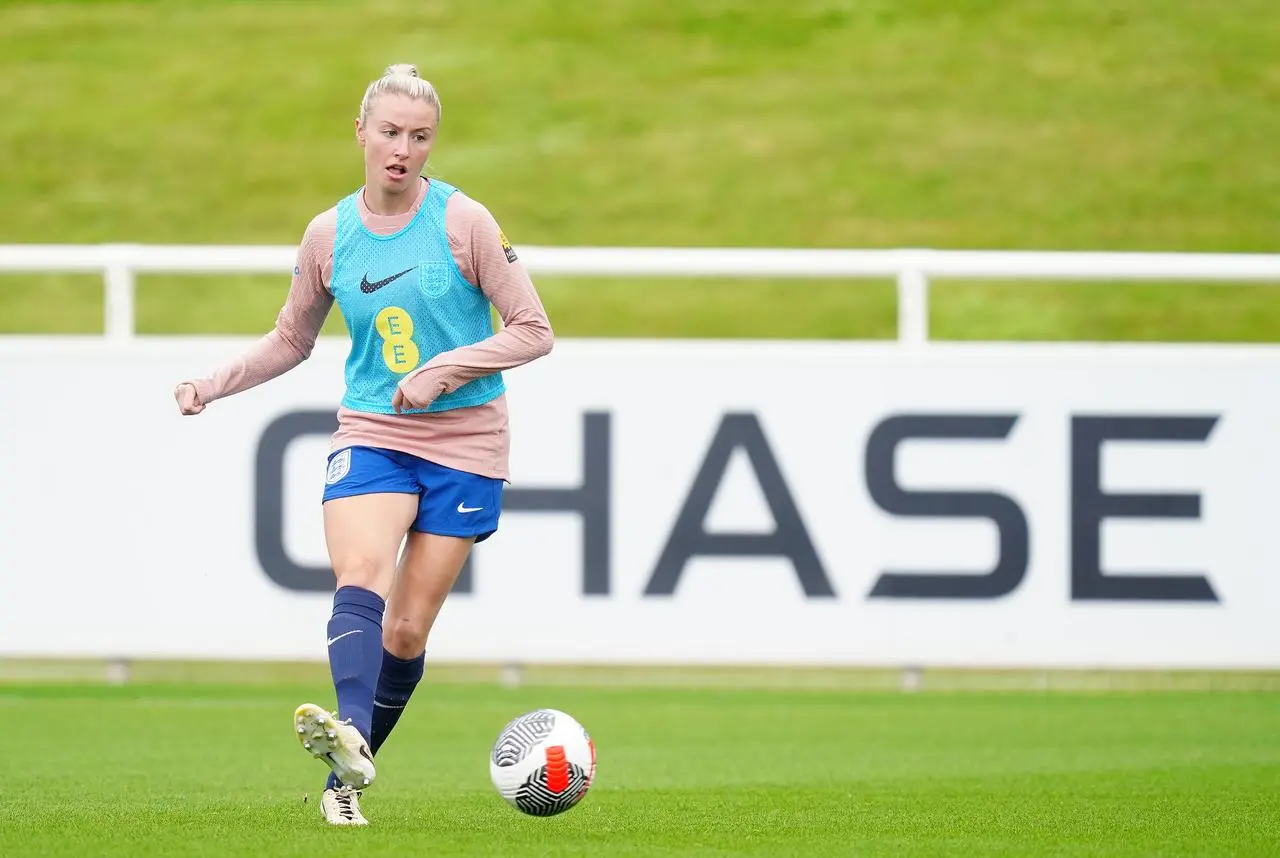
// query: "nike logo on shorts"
[[369, 288], [462, 507]]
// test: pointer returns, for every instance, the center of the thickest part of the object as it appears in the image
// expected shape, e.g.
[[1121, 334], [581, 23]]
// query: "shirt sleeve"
[[298, 323], [488, 261]]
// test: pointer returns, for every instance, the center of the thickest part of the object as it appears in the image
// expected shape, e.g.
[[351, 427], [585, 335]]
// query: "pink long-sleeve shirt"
[[473, 439]]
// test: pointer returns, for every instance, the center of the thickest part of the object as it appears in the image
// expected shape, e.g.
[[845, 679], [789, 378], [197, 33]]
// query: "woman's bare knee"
[[428, 570], [405, 636], [363, 535], [365, 571]]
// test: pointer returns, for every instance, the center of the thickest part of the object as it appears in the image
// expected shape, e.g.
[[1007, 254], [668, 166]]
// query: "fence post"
[[913, 307], [119, 300]]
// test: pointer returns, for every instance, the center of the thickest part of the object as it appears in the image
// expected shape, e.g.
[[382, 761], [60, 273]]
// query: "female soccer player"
[[421, 451]]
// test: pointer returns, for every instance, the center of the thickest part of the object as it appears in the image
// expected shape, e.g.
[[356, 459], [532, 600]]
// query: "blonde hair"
[[401, 79]]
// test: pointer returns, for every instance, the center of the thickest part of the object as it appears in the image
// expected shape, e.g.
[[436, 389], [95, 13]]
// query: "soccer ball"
[[543, 762]]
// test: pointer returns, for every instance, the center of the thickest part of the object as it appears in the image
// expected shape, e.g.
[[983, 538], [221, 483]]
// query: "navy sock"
[[395, 686], [355, 653]]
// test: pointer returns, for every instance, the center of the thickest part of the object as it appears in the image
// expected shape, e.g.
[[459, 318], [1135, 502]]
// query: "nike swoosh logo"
[[462, 507], [332, 641], [369, 288]]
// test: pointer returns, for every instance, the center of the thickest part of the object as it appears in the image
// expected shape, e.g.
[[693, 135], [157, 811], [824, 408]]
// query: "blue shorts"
[[450, 502]]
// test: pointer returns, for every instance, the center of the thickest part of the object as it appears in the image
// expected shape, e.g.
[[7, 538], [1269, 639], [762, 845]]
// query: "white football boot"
[[336, 742], [341, 806]]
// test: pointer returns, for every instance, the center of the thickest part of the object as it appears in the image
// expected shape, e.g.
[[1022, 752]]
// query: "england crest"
[[434, 278], [339, 467]]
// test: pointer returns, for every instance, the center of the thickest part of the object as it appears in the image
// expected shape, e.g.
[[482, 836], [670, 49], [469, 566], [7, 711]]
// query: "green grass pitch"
[[212, 768]]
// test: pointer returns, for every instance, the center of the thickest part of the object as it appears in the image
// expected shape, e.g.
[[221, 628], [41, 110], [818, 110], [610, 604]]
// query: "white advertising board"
[[680, 502]]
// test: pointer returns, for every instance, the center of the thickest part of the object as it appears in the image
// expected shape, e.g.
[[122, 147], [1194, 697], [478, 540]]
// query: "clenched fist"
[[188, 401], [417, 390]]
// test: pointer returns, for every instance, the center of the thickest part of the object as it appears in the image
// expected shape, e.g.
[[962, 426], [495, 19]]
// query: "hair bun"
[[402, 68]]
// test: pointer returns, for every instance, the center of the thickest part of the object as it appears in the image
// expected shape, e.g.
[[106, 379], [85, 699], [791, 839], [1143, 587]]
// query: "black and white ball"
[[543, 762]]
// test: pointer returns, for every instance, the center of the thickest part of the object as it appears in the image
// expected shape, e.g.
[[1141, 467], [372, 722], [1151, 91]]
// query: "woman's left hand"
[[416, 390]]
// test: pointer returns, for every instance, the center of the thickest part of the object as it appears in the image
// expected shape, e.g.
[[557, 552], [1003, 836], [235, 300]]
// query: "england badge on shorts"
[[339, 467]]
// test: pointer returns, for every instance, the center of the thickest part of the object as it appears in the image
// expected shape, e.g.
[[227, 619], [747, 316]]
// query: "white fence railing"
[[119, 263]]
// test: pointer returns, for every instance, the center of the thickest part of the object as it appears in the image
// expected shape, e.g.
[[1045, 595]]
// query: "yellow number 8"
[[399, 352]]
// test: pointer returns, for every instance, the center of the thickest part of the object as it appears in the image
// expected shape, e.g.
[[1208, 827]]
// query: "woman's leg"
[[363, 534], [428, 569], [370, 502]]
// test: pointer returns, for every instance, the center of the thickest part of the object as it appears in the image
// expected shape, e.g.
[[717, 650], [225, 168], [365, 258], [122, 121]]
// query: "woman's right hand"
[[188, 400]]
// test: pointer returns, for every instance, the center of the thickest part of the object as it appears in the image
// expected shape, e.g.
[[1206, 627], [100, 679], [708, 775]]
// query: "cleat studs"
[[301, 729], [331, 734], [307, 745]]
